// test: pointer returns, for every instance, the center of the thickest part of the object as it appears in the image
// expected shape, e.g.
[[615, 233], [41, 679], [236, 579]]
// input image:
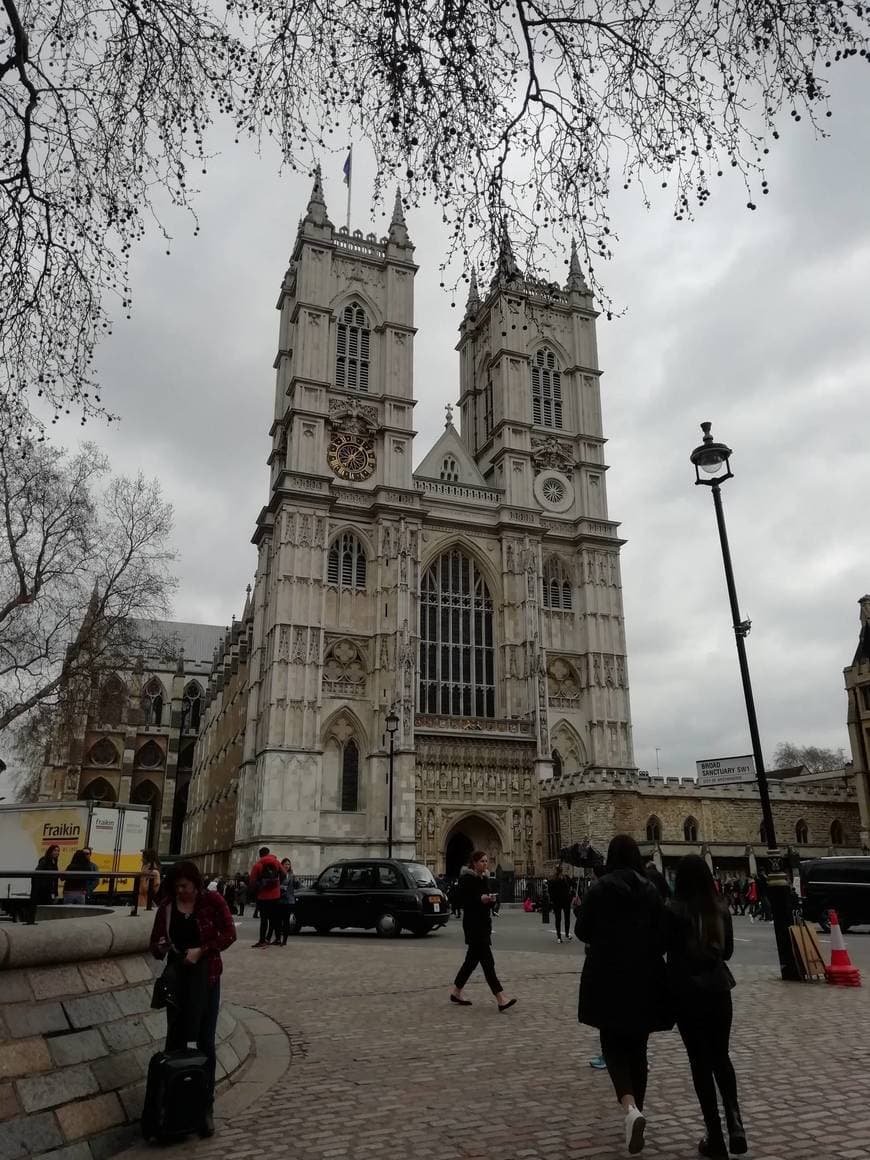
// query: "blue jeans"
[[205, 1038]]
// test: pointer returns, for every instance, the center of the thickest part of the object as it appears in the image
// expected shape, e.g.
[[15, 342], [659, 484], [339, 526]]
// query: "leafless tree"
[[790, 756], [522, 111], [82, 556]]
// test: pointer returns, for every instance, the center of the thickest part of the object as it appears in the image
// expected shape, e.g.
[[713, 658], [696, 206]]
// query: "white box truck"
[[116, 835]]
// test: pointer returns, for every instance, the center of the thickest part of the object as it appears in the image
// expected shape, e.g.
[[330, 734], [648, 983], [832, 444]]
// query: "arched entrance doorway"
[[470, 833]]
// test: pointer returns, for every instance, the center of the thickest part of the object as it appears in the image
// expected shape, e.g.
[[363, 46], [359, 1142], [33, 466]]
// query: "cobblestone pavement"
[[382, 1067]]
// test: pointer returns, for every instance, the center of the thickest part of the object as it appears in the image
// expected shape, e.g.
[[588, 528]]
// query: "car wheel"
[[388, 926]]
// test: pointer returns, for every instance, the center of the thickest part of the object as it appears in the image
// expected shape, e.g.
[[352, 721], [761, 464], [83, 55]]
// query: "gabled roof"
[[450, 444]]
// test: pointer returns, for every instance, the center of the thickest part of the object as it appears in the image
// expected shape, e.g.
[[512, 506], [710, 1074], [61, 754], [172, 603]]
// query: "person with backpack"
[[265, 881], [624, 986], [700, 942]]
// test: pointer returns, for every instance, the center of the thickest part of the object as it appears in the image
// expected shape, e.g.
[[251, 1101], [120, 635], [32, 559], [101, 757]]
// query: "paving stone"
[[16, 988], [88, 1117], [24, 1057], [35, 1019], [126, 1033], [52, 982], [79, 1047], [133, 1099], [29, 1135], [47, 1091], [92, 1010], [138, 968], [155, 1021], [114, 1141], [80, 1151], [102, 974], [9, 1105], [117, 1071]]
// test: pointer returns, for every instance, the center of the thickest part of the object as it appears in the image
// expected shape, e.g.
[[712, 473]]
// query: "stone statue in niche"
[[596, 669], [305, 532], [609, 671], [620, 672], [418, 823], [509, 556], [527, 784], [517, 826], [530, 826], [430, 824]]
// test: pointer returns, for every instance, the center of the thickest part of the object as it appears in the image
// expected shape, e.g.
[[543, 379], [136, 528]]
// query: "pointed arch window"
[[103, 752], [653, 830], [113, 697], [150, 756], [690, 830], [352, 349], [152, 702], [457, 653], [450, 470], [546, 389], [836, 833], [558, 594], [99, 790], [487, 407], [191, 705], [557, 763], [350, 777], [346, 563], [802, 833]]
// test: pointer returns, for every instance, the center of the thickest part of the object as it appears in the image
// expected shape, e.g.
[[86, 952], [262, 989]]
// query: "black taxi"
[[387, 895]]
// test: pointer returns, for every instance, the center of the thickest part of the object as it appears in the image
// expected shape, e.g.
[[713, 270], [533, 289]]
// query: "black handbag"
[[165, 992]]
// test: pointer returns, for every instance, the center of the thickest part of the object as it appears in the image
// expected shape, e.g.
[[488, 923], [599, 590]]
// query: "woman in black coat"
[[477, 904], [623, 988], [44, 891], [700, 941]]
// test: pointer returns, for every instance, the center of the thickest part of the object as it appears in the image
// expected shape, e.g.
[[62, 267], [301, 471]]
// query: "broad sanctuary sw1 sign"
[[725, 770]]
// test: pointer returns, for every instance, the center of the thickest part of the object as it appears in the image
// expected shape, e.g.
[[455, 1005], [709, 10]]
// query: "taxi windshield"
[[420, 875]]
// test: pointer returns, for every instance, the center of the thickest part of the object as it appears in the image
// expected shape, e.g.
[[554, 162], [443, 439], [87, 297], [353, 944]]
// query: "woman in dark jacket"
[[623, 988], [192, 926], [43, 891], [477, 903], [700, 942]]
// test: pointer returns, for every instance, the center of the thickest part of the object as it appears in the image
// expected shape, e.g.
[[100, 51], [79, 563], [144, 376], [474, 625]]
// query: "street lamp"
[[391, 725], [712, 462]]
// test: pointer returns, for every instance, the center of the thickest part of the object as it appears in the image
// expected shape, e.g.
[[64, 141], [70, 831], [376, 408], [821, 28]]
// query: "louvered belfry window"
[[346, 564], [546, 389], [352, 349], [457, 653]]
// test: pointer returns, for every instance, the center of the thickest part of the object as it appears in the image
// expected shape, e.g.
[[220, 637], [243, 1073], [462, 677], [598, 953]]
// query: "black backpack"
[[268, 877]]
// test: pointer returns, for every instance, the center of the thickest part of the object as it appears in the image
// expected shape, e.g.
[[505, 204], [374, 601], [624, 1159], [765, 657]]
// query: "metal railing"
[[16, 905]]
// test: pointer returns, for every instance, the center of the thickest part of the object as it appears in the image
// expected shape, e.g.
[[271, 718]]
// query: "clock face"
[[351, 456]]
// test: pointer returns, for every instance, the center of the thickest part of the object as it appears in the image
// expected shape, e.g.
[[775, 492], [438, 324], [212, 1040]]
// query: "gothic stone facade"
[[478, 596], [857, 677], [134, 742]]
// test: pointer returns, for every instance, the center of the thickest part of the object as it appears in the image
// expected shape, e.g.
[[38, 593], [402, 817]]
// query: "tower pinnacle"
[[398, 234], [508, 270], [316, 213], [472, 304], [576, 281]]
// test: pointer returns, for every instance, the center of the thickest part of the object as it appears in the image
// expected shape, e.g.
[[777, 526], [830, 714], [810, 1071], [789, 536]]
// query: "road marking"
[[748, 940]]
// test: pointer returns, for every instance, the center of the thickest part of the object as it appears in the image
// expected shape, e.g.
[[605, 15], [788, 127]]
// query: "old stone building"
[[478, 596], [134, 738], [857, 677], [814, 815]]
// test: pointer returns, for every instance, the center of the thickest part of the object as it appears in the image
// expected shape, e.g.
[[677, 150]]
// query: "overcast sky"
[[757, 321]]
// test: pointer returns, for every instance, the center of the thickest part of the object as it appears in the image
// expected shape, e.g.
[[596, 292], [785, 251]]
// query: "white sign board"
[[726, 770]]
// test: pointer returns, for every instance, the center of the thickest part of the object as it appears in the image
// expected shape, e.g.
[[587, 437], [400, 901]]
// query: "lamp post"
[[391, 725], [712, 467]]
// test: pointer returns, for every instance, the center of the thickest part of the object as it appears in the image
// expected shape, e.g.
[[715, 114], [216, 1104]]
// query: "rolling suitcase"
[[176, 1096]]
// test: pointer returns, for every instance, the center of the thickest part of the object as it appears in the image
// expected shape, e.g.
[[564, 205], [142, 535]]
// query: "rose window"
[[554, 491]]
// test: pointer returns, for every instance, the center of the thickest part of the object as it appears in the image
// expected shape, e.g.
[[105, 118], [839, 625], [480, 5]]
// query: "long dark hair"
[[623, 854], [695, 894], [187, 870], [79, 861]]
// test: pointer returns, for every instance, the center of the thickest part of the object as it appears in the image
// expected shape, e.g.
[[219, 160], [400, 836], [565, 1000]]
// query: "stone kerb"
[[76, 1035]]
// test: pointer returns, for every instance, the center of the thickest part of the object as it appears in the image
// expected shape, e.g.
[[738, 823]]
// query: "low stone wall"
[[76, 1034]]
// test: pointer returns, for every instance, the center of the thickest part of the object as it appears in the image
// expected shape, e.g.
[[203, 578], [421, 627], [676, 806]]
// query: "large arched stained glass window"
[[457, 655]]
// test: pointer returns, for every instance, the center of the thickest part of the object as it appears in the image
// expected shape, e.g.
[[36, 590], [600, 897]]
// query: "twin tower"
[[473, 605]]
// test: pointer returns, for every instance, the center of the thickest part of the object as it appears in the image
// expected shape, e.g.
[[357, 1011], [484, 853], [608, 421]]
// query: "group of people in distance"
[[652, 961]]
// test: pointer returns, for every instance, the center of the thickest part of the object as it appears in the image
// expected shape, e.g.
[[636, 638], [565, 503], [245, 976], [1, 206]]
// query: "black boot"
[[713, 1146], [736, 1132]]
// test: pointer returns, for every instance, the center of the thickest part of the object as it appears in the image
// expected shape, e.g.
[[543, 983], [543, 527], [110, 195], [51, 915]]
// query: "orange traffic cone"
[[840, 973]]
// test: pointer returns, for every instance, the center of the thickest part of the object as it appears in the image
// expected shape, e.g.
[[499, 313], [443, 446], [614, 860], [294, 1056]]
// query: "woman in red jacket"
[[192, 926]]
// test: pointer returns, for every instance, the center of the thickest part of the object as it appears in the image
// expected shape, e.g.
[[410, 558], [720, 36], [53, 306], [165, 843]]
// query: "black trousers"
[[178, 1029], [562, 912], [267, 918], [625, 1056], [706, 1030], [479, 952]]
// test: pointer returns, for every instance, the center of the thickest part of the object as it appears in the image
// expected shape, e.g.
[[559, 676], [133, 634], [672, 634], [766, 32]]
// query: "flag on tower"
[[347, 165]]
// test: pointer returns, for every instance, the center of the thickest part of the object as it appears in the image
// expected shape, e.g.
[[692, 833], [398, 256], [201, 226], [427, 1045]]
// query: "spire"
[[576, 281], [862, 656], [398, 234], [316, 214], [473, 304], [508, 270], [247, 610]]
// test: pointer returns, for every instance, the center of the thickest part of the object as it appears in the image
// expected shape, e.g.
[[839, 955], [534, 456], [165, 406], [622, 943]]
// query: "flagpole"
[[349, 180]]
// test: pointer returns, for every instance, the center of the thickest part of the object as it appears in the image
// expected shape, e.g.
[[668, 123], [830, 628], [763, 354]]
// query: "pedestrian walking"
[[477, 900], [623, 987], [149, 882], [700, 942], [91, 884], [242, 894], [192, 926], [44, 890], [265, 883], [560, 897]]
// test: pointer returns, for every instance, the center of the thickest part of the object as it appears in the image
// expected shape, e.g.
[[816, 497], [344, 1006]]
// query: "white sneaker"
[[635, 1125], [558, 938]]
